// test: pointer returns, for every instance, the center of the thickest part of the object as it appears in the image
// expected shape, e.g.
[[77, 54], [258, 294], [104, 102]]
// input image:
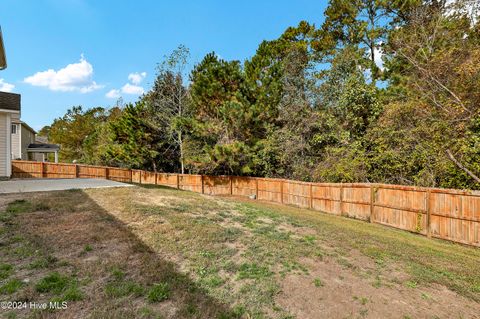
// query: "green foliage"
[[132, 143], [309, 105], [81, 133]]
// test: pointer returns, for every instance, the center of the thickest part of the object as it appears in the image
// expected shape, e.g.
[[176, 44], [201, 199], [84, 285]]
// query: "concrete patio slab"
[[45, 185]]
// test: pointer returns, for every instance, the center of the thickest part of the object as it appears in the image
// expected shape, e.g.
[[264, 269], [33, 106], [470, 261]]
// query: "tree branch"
[[463, 168]]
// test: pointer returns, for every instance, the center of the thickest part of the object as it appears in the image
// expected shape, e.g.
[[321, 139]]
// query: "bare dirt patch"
[[332, 291]]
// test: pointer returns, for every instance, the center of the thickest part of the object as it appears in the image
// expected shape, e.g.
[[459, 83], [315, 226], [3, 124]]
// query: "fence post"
[[341, 198], [107, 173], [427, 204], [256, 188], [372, 203], [140, 181], [281, 191], [131, 175], [43, 169], [231, 185], [76, 170], [311, 196], [203, 187], [178, 181]]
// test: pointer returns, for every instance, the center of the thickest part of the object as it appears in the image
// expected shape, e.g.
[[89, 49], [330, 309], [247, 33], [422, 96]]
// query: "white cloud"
[[132, 89], [136, 78], [378, 57], [113, 94], [73, 77], [469, 7], [6, 87]]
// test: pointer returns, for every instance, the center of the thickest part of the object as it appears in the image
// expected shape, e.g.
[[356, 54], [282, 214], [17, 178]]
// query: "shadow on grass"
[[133, 270]]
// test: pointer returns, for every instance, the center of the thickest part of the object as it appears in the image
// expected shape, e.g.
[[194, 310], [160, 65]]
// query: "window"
[[14, 128]]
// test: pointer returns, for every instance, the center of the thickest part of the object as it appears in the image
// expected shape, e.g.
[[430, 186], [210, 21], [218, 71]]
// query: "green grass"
[[117, 273], [54, 283], [159, 292], [5, 271], [318, 282], [65, 288], [10, 315], [44, 261], [72, 293], [19, 206], [11, 286], [253, 271], [118, 289]]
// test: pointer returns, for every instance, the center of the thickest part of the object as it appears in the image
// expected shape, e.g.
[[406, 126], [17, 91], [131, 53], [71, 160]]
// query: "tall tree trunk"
[[180, 141]]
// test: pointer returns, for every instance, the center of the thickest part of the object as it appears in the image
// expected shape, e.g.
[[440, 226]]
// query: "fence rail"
[[442, 213]]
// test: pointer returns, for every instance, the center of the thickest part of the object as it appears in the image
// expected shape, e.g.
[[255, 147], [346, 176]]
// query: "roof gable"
[[10, 101]]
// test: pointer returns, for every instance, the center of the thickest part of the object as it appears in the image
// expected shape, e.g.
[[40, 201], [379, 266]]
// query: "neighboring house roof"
[[41, 140], [43, 146], [3, 58], [9, 101], [15, 121]]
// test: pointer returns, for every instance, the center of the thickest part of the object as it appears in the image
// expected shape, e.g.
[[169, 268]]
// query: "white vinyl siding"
[[4, 144], [27, 137], [16, 143]]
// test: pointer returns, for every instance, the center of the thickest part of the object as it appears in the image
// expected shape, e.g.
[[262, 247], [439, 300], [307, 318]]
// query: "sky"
[[63, 53]]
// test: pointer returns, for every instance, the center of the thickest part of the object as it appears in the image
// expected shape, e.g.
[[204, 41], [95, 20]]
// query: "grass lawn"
[[153, 252]]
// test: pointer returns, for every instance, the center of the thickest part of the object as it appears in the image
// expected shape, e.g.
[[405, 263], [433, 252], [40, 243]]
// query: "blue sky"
[[63, 53]]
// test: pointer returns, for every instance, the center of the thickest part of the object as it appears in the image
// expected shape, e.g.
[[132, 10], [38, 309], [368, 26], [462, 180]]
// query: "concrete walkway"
[[44, 185]]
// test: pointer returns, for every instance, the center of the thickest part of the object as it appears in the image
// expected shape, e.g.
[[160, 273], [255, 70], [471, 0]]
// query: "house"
[[22, 136], [40, 150], [17, 139], [27, 146], [9, 107], [9, 104]]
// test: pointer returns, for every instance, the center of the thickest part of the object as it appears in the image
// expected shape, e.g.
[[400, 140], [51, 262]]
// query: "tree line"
[[382, 91]]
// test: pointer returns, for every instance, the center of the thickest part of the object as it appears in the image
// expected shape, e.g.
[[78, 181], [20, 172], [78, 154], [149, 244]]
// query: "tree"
[[168, 103], [132, 142], [74, 130], [362, 23], [439, 51], [224, 124], [277, 64]]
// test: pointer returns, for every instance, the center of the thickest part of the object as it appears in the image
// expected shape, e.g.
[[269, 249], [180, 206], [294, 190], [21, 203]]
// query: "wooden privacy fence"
[[442, 213]]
